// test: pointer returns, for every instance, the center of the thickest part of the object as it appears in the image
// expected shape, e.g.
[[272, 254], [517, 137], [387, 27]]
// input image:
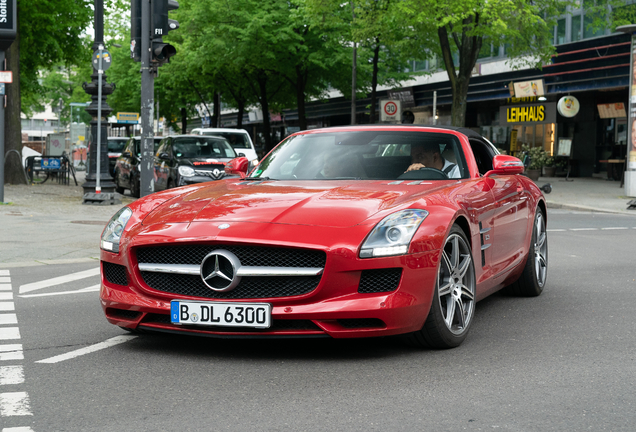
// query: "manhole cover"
[[90, 222]]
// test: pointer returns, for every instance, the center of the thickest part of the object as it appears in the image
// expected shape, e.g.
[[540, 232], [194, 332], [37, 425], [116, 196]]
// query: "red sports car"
[[342, 232]]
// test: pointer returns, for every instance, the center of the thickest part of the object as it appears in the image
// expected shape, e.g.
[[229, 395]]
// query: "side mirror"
[[126, 153], [505, 165], [237, 166], [241, 154], [164, 156]]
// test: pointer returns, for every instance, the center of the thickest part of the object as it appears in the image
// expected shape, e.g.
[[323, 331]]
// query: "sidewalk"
[[47, 223]]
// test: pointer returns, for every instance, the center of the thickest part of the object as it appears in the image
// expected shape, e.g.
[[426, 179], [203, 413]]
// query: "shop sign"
[[529, 88], [568, 106], [404, 95], [528, 114]]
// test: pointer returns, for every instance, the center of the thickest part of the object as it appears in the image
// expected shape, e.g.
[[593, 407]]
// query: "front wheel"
[[453, 304], [535, 272]]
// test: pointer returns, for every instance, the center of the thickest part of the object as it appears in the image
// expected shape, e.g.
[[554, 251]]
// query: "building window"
[[26, 123], [575, 34], [560, 32]]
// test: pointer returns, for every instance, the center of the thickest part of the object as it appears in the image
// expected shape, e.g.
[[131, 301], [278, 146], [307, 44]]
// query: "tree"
[[462, 26]]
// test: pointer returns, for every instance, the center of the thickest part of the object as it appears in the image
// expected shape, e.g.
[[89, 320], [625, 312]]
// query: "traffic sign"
[[106, 60], [390, 110]]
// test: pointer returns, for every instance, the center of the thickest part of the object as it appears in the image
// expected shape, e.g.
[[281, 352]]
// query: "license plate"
[[254, 315]]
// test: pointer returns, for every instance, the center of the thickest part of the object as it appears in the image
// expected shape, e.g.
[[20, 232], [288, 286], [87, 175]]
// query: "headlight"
[[393, 234], [186, 171], [112, 233]]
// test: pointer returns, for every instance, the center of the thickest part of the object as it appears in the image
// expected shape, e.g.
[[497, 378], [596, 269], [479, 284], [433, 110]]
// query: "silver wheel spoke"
[[455, 253], [450, 312], [459, 311], [467, 293], [464, 266], [447, 262], [445, 289], [540, 240]]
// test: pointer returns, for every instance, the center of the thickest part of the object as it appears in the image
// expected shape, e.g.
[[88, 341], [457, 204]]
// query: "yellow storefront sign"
[[525, 114]]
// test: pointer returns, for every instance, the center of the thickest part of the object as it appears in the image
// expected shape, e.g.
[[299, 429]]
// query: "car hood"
[[336, 204]]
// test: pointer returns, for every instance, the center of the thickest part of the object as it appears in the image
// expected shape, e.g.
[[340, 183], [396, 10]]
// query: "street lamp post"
[[99, 187], [630, 157]]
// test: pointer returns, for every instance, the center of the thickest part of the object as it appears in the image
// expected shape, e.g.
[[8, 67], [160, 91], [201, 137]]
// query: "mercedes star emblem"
[[218, 270]]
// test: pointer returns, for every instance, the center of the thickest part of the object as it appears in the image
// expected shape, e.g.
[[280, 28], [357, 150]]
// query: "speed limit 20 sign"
[[390, 110]]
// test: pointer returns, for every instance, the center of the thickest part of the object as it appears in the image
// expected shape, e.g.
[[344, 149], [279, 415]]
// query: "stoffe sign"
[[390, 110], [127, 118], [8, 23]]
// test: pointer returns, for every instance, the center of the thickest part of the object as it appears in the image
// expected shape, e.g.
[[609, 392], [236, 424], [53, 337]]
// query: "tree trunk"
[[184, 121], [374, 81], [13, 170], [216, 117], [239, 115], [301, 81], [262, 84]]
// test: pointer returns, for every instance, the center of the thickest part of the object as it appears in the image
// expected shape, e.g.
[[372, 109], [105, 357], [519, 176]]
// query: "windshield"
[[237, 140], [157, 140], [117, 145], [379, 155], [202, 147]]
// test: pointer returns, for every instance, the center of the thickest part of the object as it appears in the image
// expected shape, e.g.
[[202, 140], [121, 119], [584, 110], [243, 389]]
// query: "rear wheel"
[[453, 304], [535, 273]]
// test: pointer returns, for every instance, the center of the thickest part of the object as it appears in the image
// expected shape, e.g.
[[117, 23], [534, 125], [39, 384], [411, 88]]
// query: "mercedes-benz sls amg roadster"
[[345, 232]]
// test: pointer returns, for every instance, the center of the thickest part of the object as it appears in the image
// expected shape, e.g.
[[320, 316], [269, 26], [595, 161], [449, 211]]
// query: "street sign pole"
[[100, 72], [2, 135], [147, 104]]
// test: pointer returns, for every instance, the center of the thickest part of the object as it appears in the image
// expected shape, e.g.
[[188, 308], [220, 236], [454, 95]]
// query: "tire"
[[446, 327], [535, 272], [120, 190]]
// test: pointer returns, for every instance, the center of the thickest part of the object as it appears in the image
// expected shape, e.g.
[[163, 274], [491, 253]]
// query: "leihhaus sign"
[[527, 114]]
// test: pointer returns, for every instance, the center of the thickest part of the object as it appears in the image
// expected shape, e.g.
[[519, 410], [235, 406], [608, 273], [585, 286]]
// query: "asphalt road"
[[564, 361]]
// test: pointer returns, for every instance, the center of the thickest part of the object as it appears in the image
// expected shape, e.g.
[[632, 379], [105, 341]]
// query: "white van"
[[239, 139]]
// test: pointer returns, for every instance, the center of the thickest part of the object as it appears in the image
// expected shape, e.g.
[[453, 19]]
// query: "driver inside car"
[[427, 155]]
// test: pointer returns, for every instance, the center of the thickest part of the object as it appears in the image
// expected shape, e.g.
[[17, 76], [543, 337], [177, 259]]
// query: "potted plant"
[[537, 158], [549, 166]]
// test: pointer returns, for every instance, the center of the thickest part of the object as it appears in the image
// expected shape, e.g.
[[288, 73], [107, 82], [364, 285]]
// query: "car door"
[[162, 164], [125, 165], [511, 211]]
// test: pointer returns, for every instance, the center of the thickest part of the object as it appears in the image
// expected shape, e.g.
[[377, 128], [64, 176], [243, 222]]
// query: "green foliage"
[[538, 157]]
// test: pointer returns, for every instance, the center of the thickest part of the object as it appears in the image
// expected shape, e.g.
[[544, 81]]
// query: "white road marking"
[[6, 296], [7, 333], [93, 288], [58, 280], [5, 287], [615, 228], [18, 429], [4, 273], [11, 352], [90, 349], [583, 229], [15, 404], [11, 375], [8, 319], [7, 306], [556, 230], [5, 279]]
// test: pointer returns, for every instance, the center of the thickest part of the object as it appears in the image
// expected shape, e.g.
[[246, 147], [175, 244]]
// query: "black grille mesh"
[[249, 287], [379, 280], [115, 273], [361, 323], [277, 325], [248, 255], [124, 314]]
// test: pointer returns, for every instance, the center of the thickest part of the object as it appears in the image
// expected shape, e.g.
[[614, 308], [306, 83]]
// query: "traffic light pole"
[[147, 103]]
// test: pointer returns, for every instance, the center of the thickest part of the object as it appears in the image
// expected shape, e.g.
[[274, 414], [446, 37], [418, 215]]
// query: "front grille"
[[362, 323], [277, 325], [206, 173], [248, 255], [115, 273], [379, 280], [249, 287]]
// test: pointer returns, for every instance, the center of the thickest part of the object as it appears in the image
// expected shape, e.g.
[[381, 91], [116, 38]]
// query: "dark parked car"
[[115, 148], [188, 159], [127, 172]]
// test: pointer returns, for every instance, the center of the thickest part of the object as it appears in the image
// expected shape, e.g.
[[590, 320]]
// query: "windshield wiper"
[[256, 179]]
